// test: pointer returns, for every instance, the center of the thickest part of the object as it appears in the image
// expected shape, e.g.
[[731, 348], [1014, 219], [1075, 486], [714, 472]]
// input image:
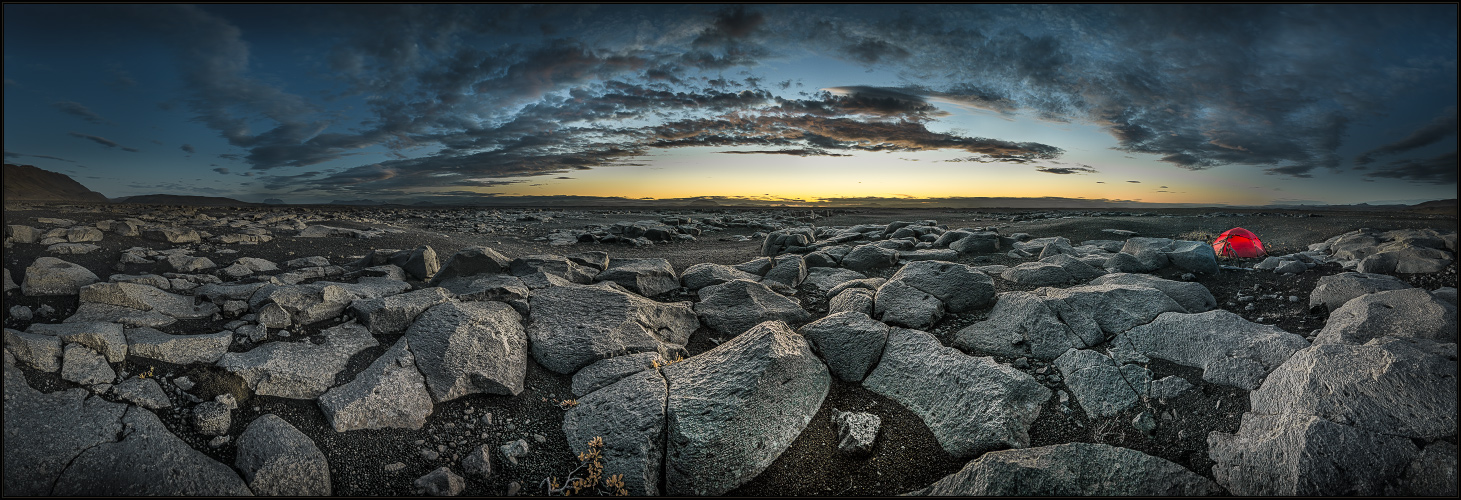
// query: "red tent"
[[1238, 242]]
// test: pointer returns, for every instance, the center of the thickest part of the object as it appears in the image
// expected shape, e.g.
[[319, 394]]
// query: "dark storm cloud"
[[103, 141], [1436, 170], [789, 152], [188, 148], [76, 109], [1441, 127], [221, 170], [1083, 169]]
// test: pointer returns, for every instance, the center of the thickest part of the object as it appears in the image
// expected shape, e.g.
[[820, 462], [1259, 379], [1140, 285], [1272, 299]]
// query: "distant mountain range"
[[30, 183]]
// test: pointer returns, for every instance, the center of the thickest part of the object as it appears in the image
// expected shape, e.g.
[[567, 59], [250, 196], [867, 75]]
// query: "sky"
[[1206, 104]]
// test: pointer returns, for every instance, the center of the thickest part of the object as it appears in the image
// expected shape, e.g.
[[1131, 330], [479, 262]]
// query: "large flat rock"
[[1072, 469], [390, 393], [298, 370], [737, 306], [572, 326], [972, 405], [732, 410], [148, 461], [466, 348], [1230, 350]]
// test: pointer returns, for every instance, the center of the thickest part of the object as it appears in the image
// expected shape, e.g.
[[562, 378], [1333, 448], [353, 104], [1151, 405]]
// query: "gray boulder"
[[868, 257], [1194, 256], [630, 417], [556, 265], [393, 314], [961, 288], [1333, 291], [1116, 308], [605, 372], [1150, 252], [1401, 387], [1294, 454], [142, 392], [647, 277], [573, 326], [1101, 386], [789, 270], [1078, 269], [42, 352], [278, 460], [918, 372], [148, 461], [471, 261], [1409, 312], [858, 300], [758, 266], [980, 242], [421, 262], [298, 370], [149, 343], [828, 279], [1121, 262], [9, 283], [105, 338], [1037, 274], [147, 298], [732, 410], [188, 264], [441, 482], [1192, 296], [1433, 472], [212, 418], [172, 234], [702, 275], [44, 432], [390, 393], [81, 365], [1070, 470], [849, 342], [737, 306], [898, 303], [466, 348], [90, 312], [498, 287], [1229, 349], [52, 276], [1026, 324]]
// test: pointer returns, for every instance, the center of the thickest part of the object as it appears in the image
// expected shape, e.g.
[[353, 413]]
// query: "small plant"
[[657, 364], [148, 373], [567, 403], [588, 477]]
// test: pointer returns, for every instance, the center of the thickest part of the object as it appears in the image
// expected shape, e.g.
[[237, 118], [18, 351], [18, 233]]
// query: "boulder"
[[852, 300], [849, 342], [1192, 296], [556, 265], [73, 248], [441, 482], [828, 279], [471, 261], [789, 270], [758, 266], [149, 460], [52, 276], [1078, 269], [1070, 470], [1026, 324], [1194, 256], [573, 326], [898, 303], [605, 372], [1394, 386], [105, 338], [390, 393], [919, 373], [1037, 274], [868, 257], [736, 306], [91, 312], [1295, 454], [144, 392], [1116, 308], [1433, 472], [732, 410], [298, 370], [393, 314], [1409, 312], [1150, 252], [42, 352], [466, 348], [647, 277], [1335, 290], [961, 288], [702, 275], [147, 298], [148, 343], [278, 460], [1101, 386], [630, 417], [1230, 350], [981, 242], [172, 234], [188, 264], [1126, 263], [81, 365], [421, 263], [44, 432]]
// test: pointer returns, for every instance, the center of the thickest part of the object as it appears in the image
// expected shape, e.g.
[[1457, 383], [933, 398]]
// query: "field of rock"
[[163, 350]]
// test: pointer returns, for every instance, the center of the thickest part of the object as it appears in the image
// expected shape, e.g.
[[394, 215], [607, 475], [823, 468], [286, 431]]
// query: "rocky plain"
[[283, 350]]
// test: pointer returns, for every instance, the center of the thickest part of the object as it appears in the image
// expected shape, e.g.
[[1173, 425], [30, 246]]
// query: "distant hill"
[[273, 201], [177, 199], [30, 183], [1435, 207], [361, 202]]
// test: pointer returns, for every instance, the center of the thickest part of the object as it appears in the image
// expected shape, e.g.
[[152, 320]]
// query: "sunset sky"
[[1212, 104]]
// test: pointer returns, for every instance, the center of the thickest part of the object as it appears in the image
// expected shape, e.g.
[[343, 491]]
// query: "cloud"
[[188, 148], [76, 109], [790, 152], [9, 154], [1435, 170], [1083, 169], [221, 170], [1440, 127], [103, 141], [1134, 182]]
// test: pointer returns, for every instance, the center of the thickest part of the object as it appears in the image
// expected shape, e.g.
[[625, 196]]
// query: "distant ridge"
[[31, 183], [177, 199]]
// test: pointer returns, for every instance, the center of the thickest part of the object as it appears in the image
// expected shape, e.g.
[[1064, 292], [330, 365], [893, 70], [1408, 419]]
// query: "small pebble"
[[395, 467]]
